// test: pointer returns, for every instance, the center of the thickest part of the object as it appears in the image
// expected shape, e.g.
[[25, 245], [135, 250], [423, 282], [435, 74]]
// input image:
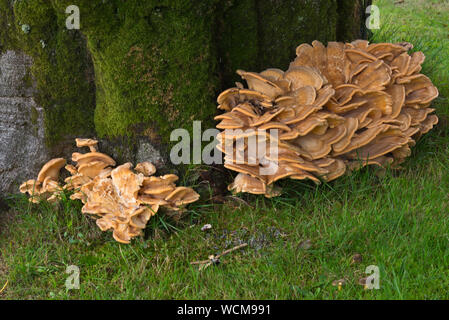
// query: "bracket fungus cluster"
[[88, 166], [46, 186], [336, 108], [122, 199]]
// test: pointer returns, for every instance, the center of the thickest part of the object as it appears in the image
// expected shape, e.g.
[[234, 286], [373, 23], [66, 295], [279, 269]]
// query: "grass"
[[299, 244]]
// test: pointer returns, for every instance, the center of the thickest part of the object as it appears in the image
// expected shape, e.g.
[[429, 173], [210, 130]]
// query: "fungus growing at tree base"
[[336, 109], [118, 198]]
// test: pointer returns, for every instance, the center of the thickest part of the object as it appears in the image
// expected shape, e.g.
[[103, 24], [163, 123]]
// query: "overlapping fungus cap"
[[122, 199], [91, 143], [340, 106], [162, 191], [146, 168], [46, 186], [125, 201], [51, 170], [88, 166], [291, 103], [114, 200], [32, 188], [181, 196], [380, 85]]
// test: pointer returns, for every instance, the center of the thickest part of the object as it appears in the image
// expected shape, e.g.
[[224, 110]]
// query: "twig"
[[216, 259], [4, 286], [200, 262], [230, 250]]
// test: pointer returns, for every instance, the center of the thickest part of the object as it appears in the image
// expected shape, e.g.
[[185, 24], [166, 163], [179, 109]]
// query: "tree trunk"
[[136, 69]]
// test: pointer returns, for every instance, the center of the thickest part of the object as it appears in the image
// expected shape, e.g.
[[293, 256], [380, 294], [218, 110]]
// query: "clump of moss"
[[253, 35], [289, 23], [61, 68], [237, 39], [152, 66]]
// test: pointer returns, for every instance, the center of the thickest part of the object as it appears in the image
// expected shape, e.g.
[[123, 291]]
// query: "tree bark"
[[136, 69]]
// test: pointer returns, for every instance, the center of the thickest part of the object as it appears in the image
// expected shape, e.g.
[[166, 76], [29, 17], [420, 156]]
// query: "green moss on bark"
[[237, 39], [7, 22], [257, 34], [154, 64], [286, 24], [147, 67], [61, 66]]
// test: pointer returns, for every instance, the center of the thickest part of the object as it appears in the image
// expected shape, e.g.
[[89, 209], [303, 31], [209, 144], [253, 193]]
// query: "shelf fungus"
[[125, 201], [46, 186], [121, 199], [88, 166], [336, 109]]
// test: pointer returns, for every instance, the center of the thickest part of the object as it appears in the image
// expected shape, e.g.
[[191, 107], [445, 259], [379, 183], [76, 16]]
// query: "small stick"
[[212, 258], [200, 262], [230, 250], [4, 286]]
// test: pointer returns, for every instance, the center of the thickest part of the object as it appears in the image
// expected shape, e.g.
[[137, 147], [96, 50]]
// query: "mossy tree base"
[[143, 68]]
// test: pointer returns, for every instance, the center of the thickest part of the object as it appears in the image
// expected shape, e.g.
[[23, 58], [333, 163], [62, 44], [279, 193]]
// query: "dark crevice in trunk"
[[217, 31], [351, 19], [259, 33]]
